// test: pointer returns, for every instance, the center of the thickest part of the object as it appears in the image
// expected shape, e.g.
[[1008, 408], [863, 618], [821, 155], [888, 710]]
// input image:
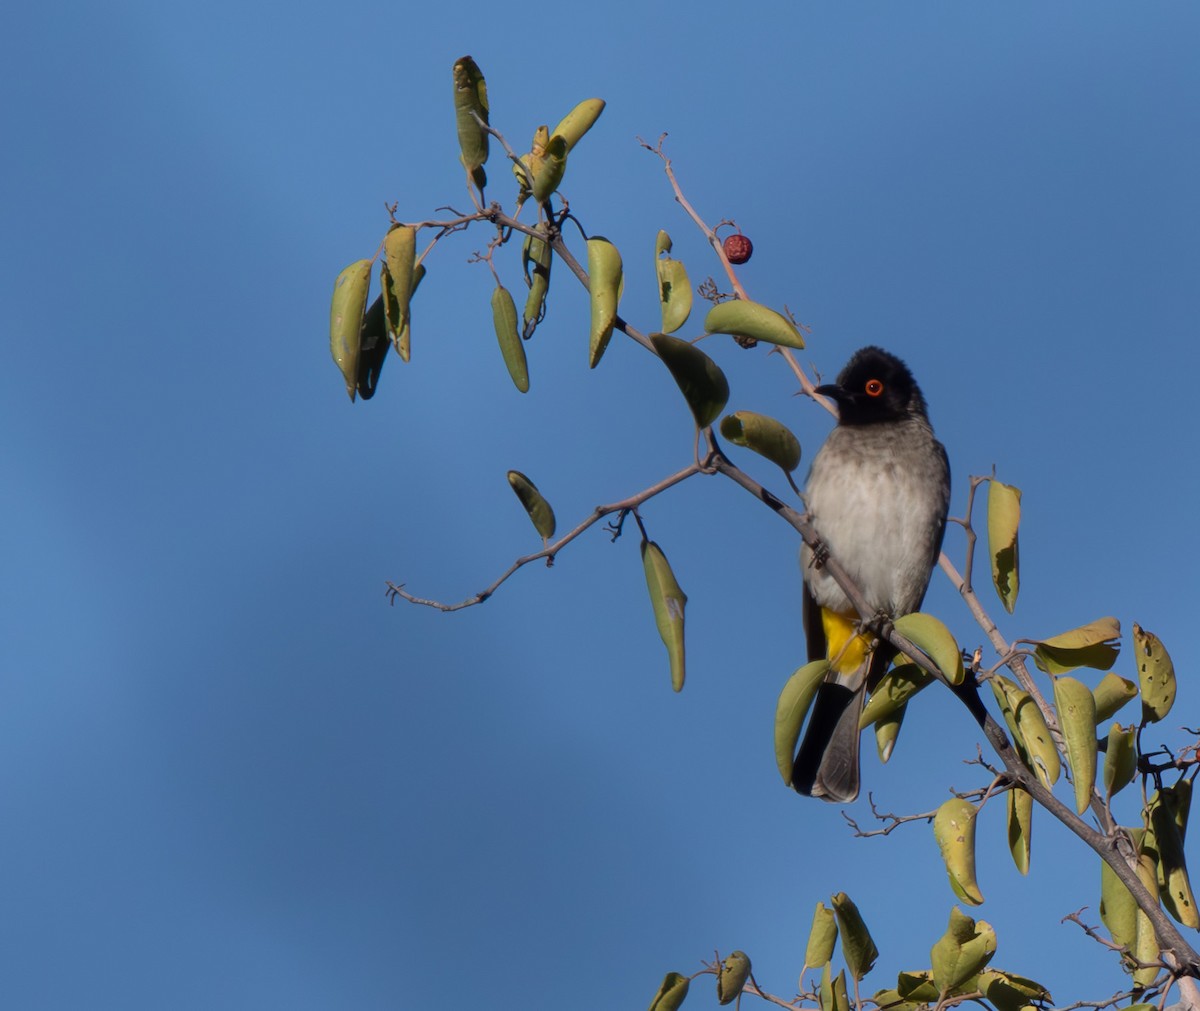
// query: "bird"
[[877, 495]]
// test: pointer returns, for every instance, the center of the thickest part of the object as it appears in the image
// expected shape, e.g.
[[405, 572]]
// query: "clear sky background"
[[232, 776]]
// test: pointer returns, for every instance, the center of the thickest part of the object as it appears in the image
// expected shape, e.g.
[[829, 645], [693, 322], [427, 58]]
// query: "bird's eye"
[[874, 388]]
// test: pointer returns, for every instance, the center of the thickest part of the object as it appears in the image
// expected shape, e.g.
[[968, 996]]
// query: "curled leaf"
[[961, 953], [1004, 516], [550, 172], [735, 970], [790, 711], [1009, 992], [1118, 908], [400, 256], [1146, 947], [701, 382], [674, 288], [668, 601], [604, 288], [527, 169], [763, 435], [671, 993], [346, 320], [1077, 720], [887, 731], [1171, 867], [536, 260], [579, 121], [504, 319], [470, 100], [1092, 645], [743, 318], [402, 337], [821, 937], [1120, 759], [1019, 823], [954, 830], [1031, 736], [917, 986], [540, 513], [831, 994], [858, 947]]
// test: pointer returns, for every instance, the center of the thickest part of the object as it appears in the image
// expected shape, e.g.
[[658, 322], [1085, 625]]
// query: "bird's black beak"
[[831, 390]]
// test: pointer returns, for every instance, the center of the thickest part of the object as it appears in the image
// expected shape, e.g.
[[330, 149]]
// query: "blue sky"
[[233, 776]]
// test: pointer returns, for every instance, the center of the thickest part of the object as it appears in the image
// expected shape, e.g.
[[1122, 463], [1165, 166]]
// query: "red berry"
[[737, 248]]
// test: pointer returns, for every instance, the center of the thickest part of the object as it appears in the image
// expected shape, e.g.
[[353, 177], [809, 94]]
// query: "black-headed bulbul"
[[877, 495]]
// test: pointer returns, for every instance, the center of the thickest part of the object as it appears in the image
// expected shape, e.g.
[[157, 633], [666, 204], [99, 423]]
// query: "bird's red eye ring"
[[874, 388]]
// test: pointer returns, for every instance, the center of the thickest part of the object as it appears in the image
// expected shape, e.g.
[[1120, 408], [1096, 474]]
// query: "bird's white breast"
[[877, 495]]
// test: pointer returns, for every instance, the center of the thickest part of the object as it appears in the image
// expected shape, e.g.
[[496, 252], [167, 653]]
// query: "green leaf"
[[1077, 721], [858, 948], [536, 260], [892, 693], [831, 995], [550, 173], [668, 601], [1092, 645], [701, 382], [1118, 908], [822, 936], [605, 277], [540, 513], [1004, 516], [1156, 675], [793, 706], [961, 953], [579, 121], [671, 993], [1019, 823], [887, 731], [954, 830], [346, 320], [735, 970], [402, 332], [1174, 885], [765, 436], [1111, 694], [504, 319], [890, 1000], [1031, 736], [470, 99], [917, 986], [934, 638], [674, 288], [1120, 759], [400, 257], [750, 319], [1010, 992]]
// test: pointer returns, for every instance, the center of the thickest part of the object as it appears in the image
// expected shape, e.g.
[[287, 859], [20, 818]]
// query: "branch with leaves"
[[1039, 734]]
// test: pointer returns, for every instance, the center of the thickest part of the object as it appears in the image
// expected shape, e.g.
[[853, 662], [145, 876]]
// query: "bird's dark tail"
[[826, 765]]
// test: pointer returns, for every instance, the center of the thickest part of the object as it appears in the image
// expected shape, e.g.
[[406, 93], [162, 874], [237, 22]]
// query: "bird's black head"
[[875, 386]]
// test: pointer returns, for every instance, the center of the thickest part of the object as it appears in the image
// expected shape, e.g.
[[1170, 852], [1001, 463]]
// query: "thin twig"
[[395, 590], [806, 383]]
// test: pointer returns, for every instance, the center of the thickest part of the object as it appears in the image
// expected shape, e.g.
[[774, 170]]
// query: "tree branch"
[[802, 377], [549, 552]]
